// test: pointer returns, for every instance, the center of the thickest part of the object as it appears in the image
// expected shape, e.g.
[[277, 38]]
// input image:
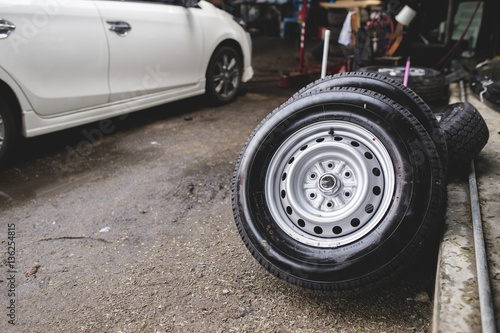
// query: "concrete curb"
[[456, 298]]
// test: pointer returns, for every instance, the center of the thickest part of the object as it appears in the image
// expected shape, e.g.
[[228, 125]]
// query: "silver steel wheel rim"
[[2, 131], [329, 184], [401, 71], [226, 76]]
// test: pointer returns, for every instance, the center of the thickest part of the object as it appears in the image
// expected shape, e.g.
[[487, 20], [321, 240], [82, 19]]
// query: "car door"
[[154, 46], [57, 52]]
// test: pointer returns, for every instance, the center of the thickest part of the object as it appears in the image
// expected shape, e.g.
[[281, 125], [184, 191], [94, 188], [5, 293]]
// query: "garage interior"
[[157, 250], [431, 31]]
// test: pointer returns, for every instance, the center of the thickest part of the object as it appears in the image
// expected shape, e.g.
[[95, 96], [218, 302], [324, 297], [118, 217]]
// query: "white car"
[[64, 63]]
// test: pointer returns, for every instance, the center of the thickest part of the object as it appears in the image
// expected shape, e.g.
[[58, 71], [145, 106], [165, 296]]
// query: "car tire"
[[338, 190], [427, 83], [485, 84], [223, 78], [466, 134], [8, 131], [395, 91]]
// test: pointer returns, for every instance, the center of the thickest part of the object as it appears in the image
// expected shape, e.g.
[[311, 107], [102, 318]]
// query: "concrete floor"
[[456, 304]]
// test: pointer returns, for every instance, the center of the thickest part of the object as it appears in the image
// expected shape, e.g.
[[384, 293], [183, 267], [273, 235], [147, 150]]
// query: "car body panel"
[[24, 104], [69, 71], [36, 125], [216, 31], [161, 35]]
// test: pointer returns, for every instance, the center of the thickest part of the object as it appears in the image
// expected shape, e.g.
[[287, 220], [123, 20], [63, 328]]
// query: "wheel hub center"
[[328, 183]]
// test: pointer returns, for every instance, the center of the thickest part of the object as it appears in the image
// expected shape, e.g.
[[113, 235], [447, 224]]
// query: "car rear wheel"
[[338, 189], [8, 131], [224, 75]]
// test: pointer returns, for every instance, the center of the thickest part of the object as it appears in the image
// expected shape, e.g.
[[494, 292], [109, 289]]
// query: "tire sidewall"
[[392, 234], [428, 83], [427, 73], [466, 134]]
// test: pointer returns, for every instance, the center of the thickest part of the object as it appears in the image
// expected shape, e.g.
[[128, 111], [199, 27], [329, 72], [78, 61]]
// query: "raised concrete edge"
[[456, 298]]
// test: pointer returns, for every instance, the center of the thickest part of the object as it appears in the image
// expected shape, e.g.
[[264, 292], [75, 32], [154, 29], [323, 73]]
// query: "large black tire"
[[395, 91], [338, 189], [466, 134], [224, 75], [9, 131], [427, 83]]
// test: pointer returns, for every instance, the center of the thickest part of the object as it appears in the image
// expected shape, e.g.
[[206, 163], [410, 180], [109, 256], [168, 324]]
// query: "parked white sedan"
[[64, 63]]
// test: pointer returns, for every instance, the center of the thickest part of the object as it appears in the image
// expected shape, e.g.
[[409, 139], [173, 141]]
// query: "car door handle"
[[120, 27], [6, 27]]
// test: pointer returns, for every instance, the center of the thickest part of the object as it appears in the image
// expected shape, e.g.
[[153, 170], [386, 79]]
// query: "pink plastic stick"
[[407, 72]]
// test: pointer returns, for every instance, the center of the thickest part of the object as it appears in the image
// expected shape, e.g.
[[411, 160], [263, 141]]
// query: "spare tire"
[[427, 83], [466, 134], [338, 189]]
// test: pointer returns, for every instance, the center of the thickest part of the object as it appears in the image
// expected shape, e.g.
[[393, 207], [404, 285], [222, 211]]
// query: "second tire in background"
[[427, 83]]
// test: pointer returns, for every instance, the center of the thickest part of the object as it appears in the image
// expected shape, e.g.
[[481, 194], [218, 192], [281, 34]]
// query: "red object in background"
[[302, 13], [302, 17]]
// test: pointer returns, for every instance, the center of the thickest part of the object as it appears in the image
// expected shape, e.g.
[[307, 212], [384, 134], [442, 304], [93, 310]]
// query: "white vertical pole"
[[325, 53]]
